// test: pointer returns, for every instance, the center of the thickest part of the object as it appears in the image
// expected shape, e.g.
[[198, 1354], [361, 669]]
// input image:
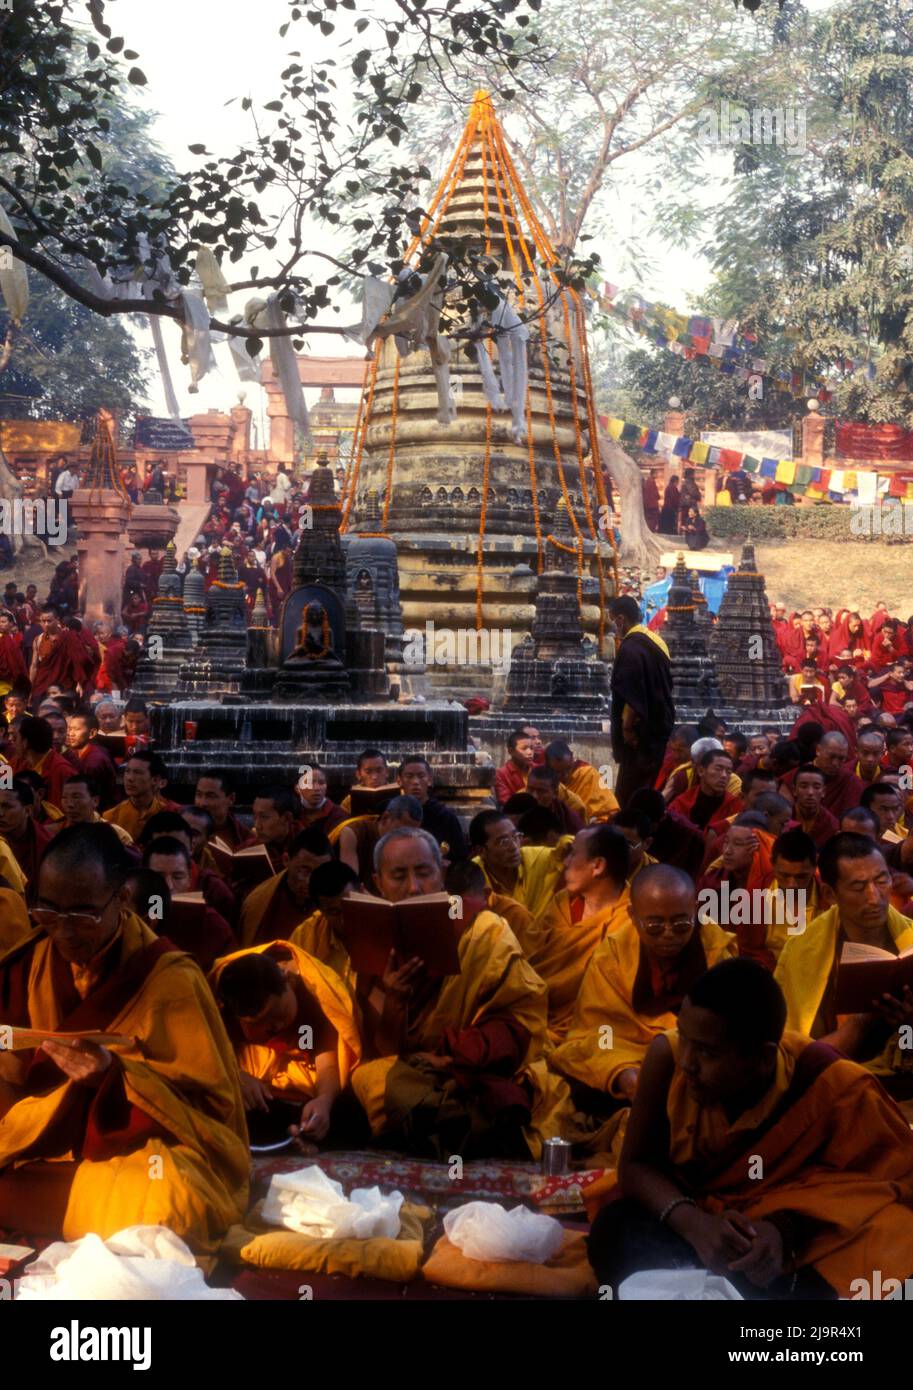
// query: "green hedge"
[[823, 523]]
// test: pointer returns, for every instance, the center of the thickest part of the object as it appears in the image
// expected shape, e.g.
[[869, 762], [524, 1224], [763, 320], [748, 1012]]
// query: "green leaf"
[[136, 77]]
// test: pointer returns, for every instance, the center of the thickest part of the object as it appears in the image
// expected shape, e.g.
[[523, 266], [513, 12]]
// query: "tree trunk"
[[638, 545]]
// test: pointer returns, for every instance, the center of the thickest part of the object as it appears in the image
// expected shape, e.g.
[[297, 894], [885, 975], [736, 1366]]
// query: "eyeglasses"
[[504, 841], [680, 927], [48, 916]]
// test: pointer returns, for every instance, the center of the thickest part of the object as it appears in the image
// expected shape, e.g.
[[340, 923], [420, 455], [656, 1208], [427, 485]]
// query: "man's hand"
[[315, 1119], [398, 981], [897, 1012], [764, 1261], [83, 1062], [255, 1093], [716, 1240]]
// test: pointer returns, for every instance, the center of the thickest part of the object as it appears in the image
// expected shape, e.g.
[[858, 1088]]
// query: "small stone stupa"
[[744, 647], [694, 677], [168, 636], [195, 600], [372, 578], [549, 671], [218, 664]]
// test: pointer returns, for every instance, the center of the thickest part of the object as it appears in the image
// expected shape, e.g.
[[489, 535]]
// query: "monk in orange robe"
[[594, 903], [758, 1155], [146, 1128], [145, 778], [276, 907], [292, 1024]]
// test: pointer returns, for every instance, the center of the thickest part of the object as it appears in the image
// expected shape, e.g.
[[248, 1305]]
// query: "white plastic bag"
[[486, 1231], [314, 1205], [139, 1263], [678, 1285]]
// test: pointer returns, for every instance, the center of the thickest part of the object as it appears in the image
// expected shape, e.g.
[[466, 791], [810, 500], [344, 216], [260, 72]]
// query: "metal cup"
[[556, 1157]]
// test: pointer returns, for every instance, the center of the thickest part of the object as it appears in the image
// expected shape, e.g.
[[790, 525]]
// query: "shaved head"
[[658, 879]]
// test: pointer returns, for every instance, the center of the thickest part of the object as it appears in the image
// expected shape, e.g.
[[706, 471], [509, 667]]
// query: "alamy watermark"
[[463, 646], [743, 907], [45, 517], [731, 124], [892, 518]]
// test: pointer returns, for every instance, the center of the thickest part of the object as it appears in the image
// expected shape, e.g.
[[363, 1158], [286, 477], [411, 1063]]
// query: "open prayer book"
[[25, 1039], [249, 866], [187, 910], [867, 972], [372, 928], [371, 801]]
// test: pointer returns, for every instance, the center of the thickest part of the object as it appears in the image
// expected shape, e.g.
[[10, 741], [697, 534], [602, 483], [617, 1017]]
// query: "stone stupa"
[[748, 664], [694, 679], [169, 639]]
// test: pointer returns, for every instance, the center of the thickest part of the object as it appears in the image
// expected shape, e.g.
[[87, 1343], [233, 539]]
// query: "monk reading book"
[[417, 928], [808, 970], [84, 1126], [291, 1021], [454, 1065], [276, 907], [757, 1154]]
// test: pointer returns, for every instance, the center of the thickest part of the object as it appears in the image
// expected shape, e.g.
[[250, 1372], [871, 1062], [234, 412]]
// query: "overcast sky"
[[199, 54]]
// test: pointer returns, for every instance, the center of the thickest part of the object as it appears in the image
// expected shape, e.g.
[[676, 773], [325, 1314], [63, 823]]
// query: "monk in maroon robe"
[[58, 657]]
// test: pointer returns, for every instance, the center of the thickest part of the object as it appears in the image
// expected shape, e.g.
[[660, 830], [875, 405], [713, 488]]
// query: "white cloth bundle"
[[486, 1231], [314, 1205], [678, 1285], [215, 292], [140, 1263], [267, 314], [196, 344]]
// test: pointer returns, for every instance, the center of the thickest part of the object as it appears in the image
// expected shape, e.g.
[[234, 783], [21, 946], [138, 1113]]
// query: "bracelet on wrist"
[[669, 1208]]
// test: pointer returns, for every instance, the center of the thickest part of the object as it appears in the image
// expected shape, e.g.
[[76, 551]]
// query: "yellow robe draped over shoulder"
[[804, 972], [518, 918], [296, 1071], [565, 952], [495, 979], [600, 802], [11, 875], [598, 1058], [540, 869], [14, 919], [181, 1072], [316, 937]]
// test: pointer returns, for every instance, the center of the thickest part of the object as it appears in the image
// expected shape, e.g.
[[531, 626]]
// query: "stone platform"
[[262, 744]]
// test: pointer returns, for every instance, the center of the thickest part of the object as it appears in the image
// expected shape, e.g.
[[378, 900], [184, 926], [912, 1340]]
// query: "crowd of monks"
[[607, 992]]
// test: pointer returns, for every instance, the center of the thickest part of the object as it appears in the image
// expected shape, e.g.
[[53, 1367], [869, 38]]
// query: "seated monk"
[[315, 807], [215, 793], [708, 802], [358, 836], [884, 800], [273, 909], [594, 902], [745, 864], [145, 778], [543, 785], [685, 777], [32, 745], [808, 795], [454, 1064], [275, 812], [793, 897], [581, 778], [208, 936], [331, 883], [757, 1155], [672, 840], [79, 801], [467, 881], [85, 1126], [854, 869], [25, 839], [216, 892], [371, 771], [540, 829], [291, 1022], [528, 874], [635, 983]]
